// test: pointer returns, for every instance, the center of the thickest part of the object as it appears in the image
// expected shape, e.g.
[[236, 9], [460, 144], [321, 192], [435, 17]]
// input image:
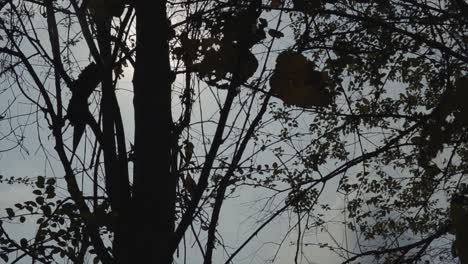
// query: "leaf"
[[46, 209], [40, 181], [263, 22], [55, 250], [37, 192], [276, 3], [51, 181], [4, 257], [50, 195], [50, 191], [40, 200], [307, 6], [190, 184], [29, 208], [22, 219], [297, 83], [229, 58], [275, 33], [10, 212], [188, 148], [24, 242], [31, 203], [61, 243]]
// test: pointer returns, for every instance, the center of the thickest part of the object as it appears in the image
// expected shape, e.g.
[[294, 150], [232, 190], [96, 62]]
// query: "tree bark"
[[116, 169], [153, 188]]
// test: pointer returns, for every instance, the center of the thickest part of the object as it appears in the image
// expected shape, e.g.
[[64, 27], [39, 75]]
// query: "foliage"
[[366, 96]]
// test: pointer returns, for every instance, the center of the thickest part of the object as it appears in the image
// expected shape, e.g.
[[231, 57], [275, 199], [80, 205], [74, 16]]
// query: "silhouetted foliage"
[[344, 116], [78, 112]]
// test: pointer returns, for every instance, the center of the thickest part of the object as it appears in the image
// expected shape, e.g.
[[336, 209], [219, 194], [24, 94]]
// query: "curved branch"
[[424, 242]]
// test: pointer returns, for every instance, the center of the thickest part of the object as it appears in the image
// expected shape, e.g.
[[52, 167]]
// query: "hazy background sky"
[[239, 217]]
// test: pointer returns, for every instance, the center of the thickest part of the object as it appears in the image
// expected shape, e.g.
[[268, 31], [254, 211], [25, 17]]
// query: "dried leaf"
[[276, 3], [275, 33], [297, 83]]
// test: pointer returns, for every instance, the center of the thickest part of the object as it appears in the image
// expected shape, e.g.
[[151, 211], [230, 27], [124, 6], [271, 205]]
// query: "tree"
[[364, 93]]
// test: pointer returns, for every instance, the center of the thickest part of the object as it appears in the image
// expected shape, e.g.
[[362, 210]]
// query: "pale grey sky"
[[235, 222]]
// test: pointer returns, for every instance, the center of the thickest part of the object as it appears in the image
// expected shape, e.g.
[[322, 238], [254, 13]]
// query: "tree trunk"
[[117, 184], [154, 190]]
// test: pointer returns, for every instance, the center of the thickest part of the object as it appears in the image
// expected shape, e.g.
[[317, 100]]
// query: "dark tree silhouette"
[[78, 112], [298, 102]]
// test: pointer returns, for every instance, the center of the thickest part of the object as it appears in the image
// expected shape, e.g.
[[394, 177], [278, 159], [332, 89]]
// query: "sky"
[[236, 221]]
